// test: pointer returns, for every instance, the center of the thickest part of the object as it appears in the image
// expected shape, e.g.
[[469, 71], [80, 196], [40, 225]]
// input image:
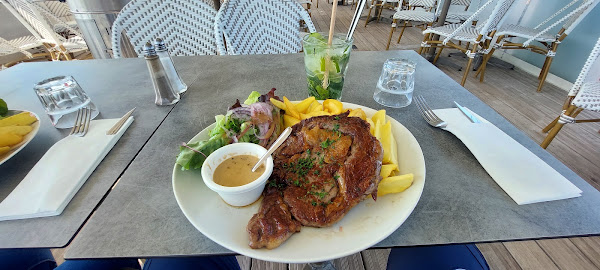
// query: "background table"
[[460, 202], [115, 87]]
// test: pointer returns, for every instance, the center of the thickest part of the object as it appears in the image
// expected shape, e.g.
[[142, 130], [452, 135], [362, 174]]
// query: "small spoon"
[[286, 133]]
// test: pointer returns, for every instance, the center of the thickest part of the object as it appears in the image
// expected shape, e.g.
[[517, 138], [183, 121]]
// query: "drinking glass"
[[320, 58], [396, 83], [61, 97]]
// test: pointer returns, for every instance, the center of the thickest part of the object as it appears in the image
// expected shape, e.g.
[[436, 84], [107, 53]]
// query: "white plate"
[[16, 148], [364, 226]]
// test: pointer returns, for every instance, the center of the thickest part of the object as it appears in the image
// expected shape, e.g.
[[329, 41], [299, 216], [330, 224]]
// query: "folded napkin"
[[523, 175], [56, 178]]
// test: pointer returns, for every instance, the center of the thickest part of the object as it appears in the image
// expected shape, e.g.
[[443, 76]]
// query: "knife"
[[467, 113]]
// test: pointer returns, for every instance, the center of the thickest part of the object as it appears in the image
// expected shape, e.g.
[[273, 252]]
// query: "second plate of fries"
[[17, 129]]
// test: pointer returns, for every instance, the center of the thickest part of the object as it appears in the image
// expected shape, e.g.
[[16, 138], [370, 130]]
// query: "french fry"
[[372, 126], [379, 116], [395, 184], [313, 105], [317, 108], [393, 151], [9, 139], [358, 113], [19, 130], [333, 106], [290, 108], [4, 150], [386, 142], [22, 119], [289, 121], [311, 114], [387, 170], [278, 104], [302, 107]]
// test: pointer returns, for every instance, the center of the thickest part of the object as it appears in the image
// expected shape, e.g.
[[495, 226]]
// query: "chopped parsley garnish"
[[327, 143], [337, 118], [336, 177], [301, 167], [308, 151], [336, 130], [296, 183], [313, 203], [316, 173]]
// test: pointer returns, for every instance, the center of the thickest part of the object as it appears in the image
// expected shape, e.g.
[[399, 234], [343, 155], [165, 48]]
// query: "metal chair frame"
[[549, 45], [478, 37], [584, 95]]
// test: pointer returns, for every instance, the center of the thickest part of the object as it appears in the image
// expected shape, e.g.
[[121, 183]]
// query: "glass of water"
[[61, 97], [396, 83]]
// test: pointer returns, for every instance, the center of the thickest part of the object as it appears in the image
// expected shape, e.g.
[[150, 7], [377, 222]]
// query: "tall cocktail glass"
[[319, 58]]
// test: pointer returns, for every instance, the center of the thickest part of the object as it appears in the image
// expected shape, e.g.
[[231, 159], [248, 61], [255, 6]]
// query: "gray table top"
[[460, 202], [115, 87]]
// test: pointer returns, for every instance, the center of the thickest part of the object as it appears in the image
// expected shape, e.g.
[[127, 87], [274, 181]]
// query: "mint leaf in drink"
[[3, 108]]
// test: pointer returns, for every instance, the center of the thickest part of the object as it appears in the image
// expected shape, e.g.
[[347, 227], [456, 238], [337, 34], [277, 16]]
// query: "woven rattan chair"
[[40, 22], [20, 45], [543, 34], [260, 27], [477, 37], [186, 26], [584, 95], [426, 15]]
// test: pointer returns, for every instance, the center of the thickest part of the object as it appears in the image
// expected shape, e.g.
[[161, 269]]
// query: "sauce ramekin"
[[240, 195]]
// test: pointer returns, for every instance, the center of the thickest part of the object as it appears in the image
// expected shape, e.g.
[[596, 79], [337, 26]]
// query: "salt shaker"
[[161, 49], [165, 94]]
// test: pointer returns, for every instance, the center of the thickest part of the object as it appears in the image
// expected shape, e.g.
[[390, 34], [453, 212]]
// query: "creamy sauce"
[[237, 171]]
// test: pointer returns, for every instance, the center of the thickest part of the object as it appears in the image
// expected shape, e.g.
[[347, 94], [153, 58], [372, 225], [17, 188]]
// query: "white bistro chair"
[[584, 95], [186, 26], [40, 23], [544, 34], [427, 15], [22, 46], [476, 36], [260, 27]]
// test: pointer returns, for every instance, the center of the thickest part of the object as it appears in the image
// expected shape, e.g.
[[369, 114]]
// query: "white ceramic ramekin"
[[241, 195]]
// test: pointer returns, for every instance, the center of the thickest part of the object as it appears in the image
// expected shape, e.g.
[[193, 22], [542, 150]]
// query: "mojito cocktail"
[[317, 55]]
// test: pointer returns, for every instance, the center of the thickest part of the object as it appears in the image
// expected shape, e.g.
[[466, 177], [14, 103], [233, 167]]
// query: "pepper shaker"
[[165, 94], [161, 49]]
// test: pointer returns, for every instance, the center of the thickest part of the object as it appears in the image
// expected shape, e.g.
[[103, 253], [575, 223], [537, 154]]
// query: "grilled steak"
[[273, 224], [327, 166]]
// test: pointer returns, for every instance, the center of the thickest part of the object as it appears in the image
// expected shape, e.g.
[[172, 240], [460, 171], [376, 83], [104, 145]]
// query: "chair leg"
[[391, 33], [468, 68], [556, 128], [544, 74], [551, 125], [402, 31], [424, 40], [543, 67], [482, 68], [369, 14], [437, 55]]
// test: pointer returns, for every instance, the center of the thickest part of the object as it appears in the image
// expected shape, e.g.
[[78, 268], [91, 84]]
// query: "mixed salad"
[[256, 121]]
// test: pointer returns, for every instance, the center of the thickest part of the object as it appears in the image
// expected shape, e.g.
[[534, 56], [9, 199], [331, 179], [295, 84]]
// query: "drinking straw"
[[329, 43], [357, 12]]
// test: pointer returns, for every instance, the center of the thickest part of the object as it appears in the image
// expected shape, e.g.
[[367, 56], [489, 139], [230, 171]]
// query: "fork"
[[82, 122], [428, 114]]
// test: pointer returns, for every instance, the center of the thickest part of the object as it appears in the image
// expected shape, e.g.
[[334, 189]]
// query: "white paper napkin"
[[56, 178], [523, 175]]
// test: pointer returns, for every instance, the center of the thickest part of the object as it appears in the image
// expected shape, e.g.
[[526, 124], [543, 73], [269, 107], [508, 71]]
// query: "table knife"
[[467, 113]]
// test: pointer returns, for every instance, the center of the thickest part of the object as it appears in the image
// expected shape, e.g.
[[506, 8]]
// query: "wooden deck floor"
[[512, 94]]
